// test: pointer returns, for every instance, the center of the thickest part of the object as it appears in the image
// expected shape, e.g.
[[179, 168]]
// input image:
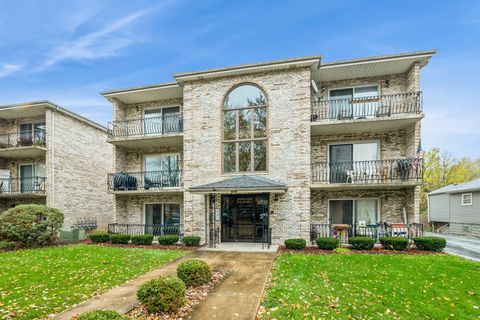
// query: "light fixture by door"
[[387, 83]]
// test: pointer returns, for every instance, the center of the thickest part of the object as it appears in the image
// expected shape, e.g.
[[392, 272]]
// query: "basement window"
[[467, 199]]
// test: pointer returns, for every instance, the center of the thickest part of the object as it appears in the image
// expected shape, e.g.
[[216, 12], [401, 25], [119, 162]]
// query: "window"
[[30, 133], [162, 171], [347, 103], [358, 211], [245, 130], [467, 199], [162, 120]]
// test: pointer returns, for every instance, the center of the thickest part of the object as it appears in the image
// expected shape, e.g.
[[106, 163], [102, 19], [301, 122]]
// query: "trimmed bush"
[[101, 315], [99, 237], [194, 272], [145, 239], [361, 243], [120, 238], [327, 243], [167, 240], [8, 245], [295, 244], [430, 243], [394, 243], [30, 225], [162, 294], [191, 241]]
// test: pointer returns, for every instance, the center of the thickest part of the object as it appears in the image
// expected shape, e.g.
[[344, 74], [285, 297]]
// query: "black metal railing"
[[376, 231], [168, 124], [37, 137], [146, 180], [373, 171], [367, 107], [23, 185], [137, 229]]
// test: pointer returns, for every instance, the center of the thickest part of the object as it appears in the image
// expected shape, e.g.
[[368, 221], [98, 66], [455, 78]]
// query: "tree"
[[441, 169]]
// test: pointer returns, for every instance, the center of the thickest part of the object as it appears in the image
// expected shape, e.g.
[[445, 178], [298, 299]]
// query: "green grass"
[[38, 282], [360, 286]]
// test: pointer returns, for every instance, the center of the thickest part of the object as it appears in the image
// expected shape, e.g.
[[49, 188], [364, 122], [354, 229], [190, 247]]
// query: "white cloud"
[[7, 69], [102, 43]]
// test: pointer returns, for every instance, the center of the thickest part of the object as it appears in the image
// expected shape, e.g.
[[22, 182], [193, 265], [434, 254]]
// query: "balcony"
[[147, 132], [137, 229], [396, 173], [146, 182], [377, 113], [23, 144], [23, 187]]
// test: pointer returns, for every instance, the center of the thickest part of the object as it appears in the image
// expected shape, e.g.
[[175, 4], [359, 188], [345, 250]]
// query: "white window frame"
[[353, 88], [463, 199], [165, 155], [163, 209]]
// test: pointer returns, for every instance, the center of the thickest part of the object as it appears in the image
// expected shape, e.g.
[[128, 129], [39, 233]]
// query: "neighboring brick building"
[[279, 146], [52, 156]]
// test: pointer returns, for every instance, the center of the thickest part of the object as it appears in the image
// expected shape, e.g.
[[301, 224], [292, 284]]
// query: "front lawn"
[[367, 286], [38, 282]]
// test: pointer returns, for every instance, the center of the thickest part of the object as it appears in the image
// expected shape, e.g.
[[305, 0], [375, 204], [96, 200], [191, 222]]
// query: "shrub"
[[30, 225], [430, 243], [162, 294], [101, 315], [327, 243], [361, 243], [394, 243], [167, 240], [145, 239], [120, 238], [341, 250], [191, 241], [99, 237], [8, 245], [194, 272], [295, 244]]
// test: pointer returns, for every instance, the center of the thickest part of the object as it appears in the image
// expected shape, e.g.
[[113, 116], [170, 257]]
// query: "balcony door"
[[353, 162], [354, 211], [31, 177], [30, 133], [162, 218], [162, 120], [162, 171], [353, 103]]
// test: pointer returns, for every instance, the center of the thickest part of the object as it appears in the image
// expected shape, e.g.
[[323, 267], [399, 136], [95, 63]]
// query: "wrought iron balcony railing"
[[367, 107], [137, 229], [23, 185], [362, 172], [375, 231], [168, 124], [28, 138], [146, 180]]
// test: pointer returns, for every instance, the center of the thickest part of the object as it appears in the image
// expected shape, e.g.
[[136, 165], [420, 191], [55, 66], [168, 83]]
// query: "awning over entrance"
[[241, 184]]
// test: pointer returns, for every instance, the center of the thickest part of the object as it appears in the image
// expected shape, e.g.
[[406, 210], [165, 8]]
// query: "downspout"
[[52, 158]]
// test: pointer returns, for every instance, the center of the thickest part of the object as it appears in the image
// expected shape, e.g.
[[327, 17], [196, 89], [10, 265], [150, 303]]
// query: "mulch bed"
[[316, 250], [153, 246], [194, 295]]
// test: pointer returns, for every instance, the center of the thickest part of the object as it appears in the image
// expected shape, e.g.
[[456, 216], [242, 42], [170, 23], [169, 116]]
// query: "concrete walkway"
[[236, 297], [465, 247]]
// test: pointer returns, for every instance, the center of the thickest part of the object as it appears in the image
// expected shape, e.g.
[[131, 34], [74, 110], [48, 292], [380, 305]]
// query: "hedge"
[[194, 272], [167, 240], [120, 238], [327, 243], [295, 244], [394, 243], [430, 243], [101, 315], [143, 239], [164, 294], [190, 241], [361, 243], [30, 225], [99, 237]]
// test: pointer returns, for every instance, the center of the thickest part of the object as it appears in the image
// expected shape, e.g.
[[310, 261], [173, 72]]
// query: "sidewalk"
[[236, 297]]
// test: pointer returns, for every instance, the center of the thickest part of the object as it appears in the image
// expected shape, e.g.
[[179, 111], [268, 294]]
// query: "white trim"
[[463, 197], [377, 141], [161, 107], [354, 206], [377, 84]]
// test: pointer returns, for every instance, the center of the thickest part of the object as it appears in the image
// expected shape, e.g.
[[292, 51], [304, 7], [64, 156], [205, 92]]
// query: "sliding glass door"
[[354, 211], [162, 218], [353, 162], [31, 177], [162, 120], [353, 103], [162, 171]]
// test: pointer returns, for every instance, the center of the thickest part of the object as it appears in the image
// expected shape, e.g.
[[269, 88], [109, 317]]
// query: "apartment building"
[[50, 155], [270, 151]]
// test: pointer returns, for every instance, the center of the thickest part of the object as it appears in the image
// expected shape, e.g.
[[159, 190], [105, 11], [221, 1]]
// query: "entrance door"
[[242, 217]]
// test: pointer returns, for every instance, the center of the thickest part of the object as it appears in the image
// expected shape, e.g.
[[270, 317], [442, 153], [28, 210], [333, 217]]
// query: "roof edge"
[[55, 106], [307, 60], [140, 88]]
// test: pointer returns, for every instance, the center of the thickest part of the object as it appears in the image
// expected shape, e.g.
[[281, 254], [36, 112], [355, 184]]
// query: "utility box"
[[72, 235]]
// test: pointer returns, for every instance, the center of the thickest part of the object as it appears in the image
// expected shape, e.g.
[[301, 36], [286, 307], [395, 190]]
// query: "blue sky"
[[69, 51]]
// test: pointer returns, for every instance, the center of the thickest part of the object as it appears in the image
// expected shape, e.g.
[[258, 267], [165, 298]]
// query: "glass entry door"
[[243, 217]]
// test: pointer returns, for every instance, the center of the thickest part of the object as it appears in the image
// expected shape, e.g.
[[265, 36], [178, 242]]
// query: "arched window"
[[245, 130]]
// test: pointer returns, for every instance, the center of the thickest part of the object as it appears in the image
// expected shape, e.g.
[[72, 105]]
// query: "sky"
[[69, 51]]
